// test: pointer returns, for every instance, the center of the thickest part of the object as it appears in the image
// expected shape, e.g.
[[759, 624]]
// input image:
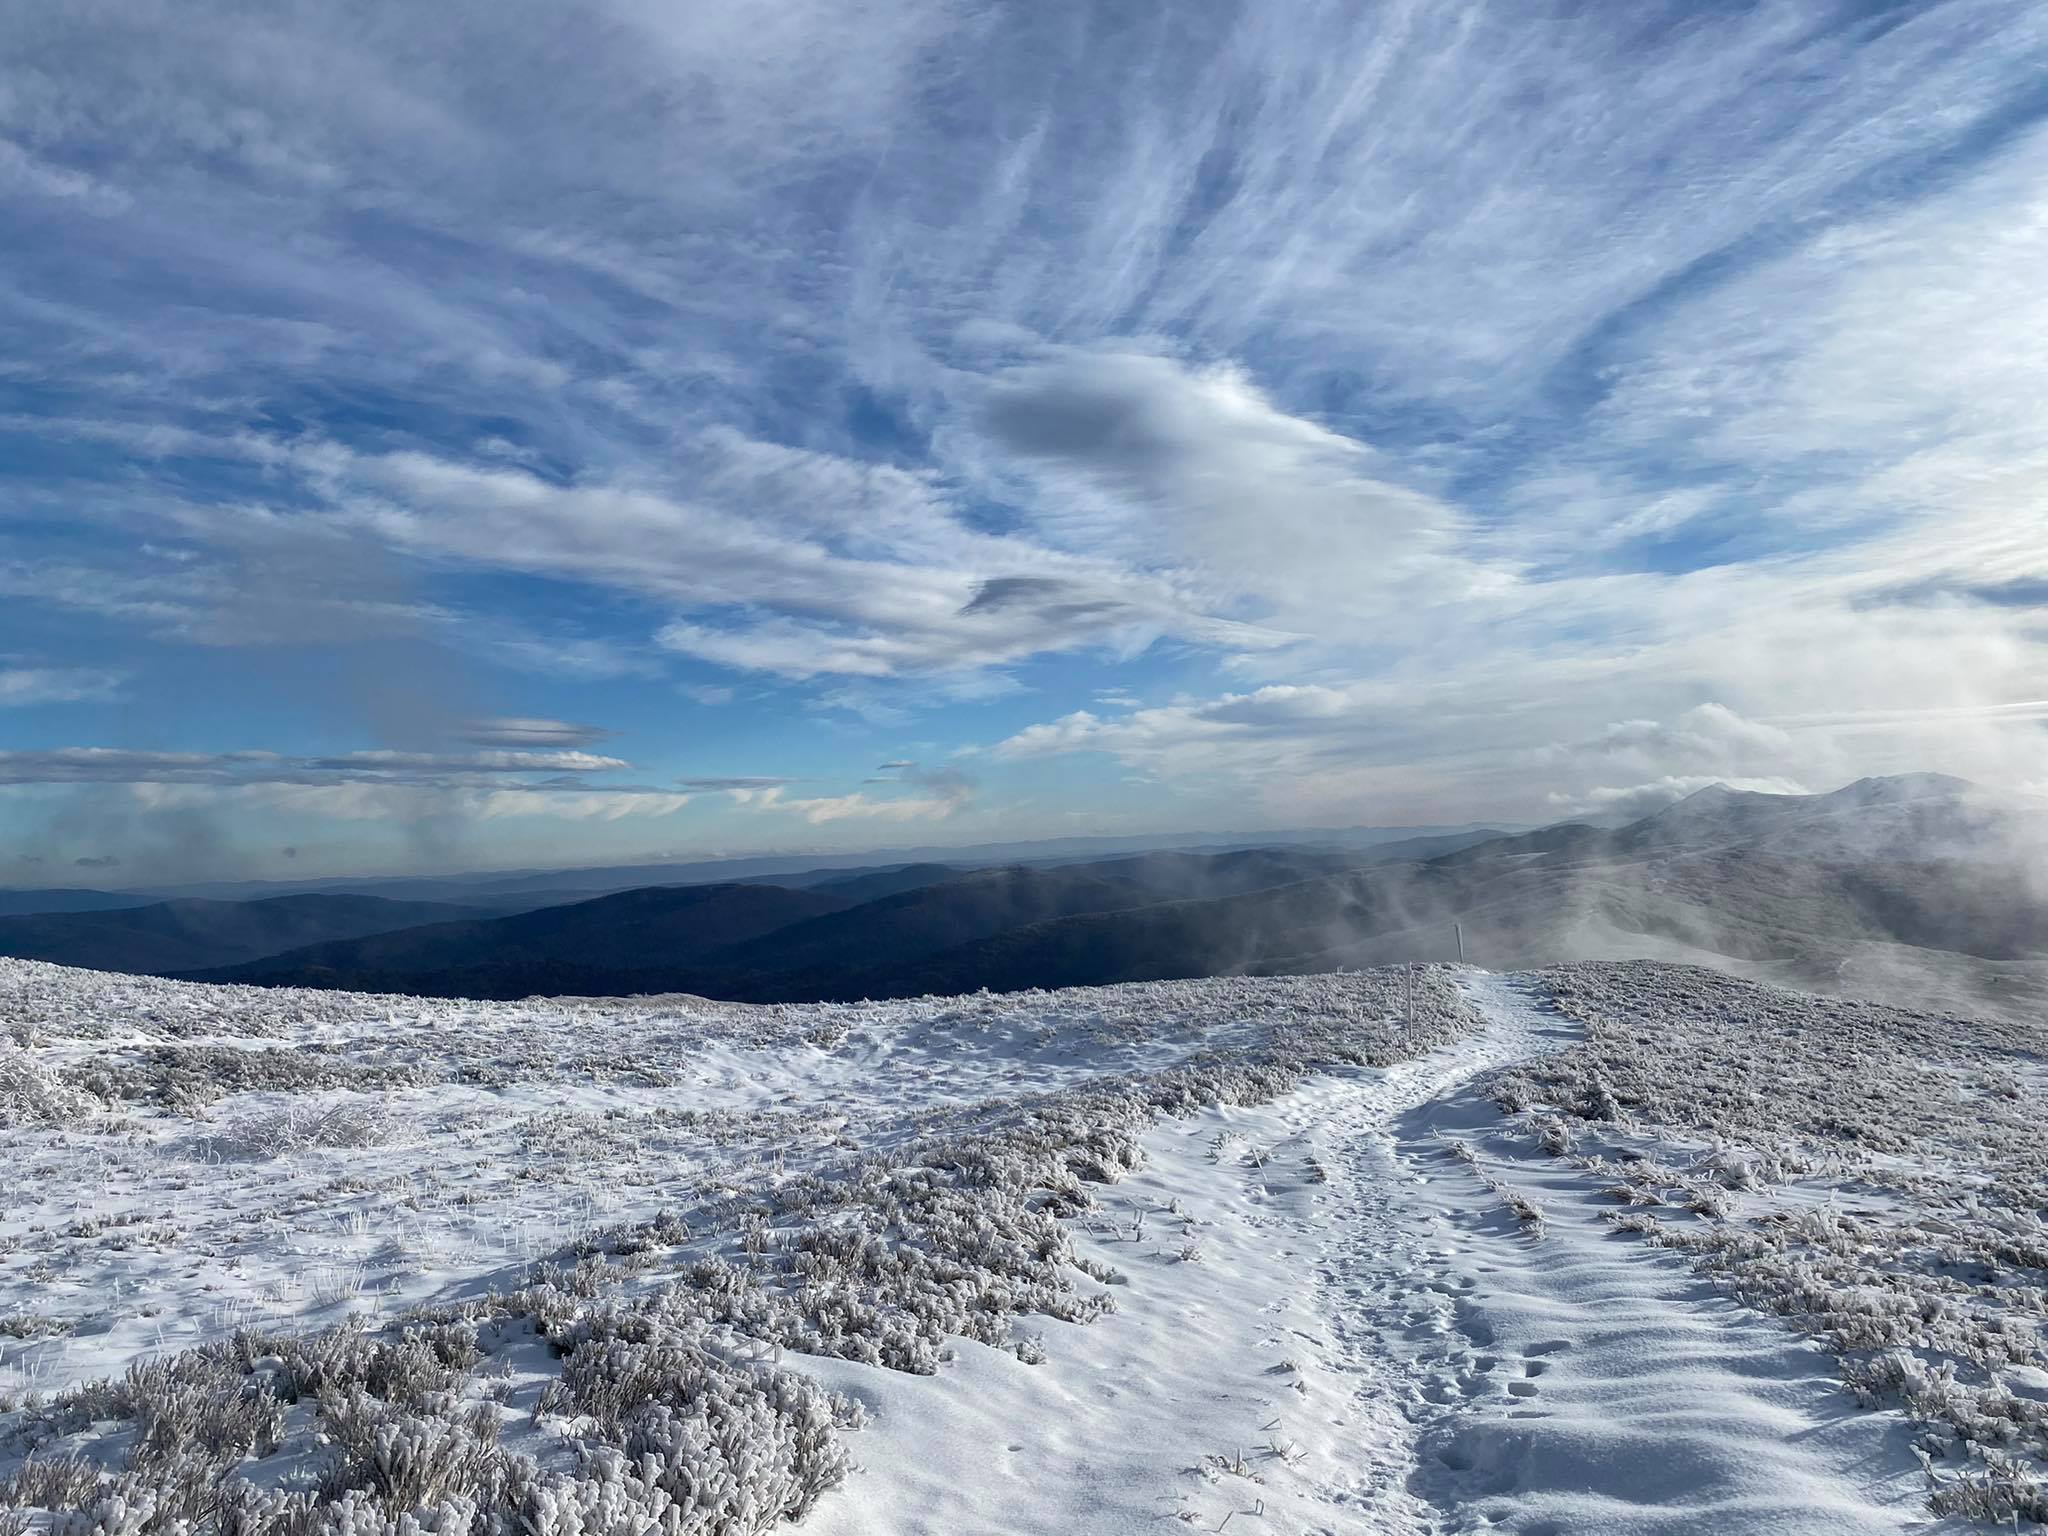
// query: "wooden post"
[[1461, 942]]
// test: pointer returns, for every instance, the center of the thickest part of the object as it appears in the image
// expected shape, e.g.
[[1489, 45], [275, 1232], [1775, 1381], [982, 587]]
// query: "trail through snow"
[[1399, 1296], [1572, 1380], [1371, 1341]]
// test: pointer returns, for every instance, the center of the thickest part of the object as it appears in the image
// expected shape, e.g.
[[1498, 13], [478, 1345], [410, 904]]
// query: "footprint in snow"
[[1474, 1327]]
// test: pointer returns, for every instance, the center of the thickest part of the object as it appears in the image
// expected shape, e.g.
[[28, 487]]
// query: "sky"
[[495, 434]]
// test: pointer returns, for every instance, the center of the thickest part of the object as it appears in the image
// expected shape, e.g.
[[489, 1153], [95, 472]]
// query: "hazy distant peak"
[[1897, 787], [1913, 817], [1716, 793], [1715, 799], [1872, 792]]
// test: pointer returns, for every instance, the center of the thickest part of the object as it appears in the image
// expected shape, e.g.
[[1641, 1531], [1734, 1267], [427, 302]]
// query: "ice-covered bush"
[[672, 1439], [351, 1120], [31, 1095]]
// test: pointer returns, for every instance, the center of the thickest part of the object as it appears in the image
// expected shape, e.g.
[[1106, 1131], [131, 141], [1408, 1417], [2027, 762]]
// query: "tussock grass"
[[188, 1078], [350, 1121], [30, 1094]]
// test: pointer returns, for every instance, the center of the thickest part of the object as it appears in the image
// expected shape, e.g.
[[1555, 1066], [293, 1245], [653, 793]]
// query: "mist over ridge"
[[1917, 888]]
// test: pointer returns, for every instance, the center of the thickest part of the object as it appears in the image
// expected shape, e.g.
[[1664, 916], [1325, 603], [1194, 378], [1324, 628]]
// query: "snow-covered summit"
[[1913, 817], [1326, 1252]]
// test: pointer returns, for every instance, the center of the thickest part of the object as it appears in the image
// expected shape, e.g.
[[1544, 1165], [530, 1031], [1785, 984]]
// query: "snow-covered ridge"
[[1347, 1252], [662, 1191]]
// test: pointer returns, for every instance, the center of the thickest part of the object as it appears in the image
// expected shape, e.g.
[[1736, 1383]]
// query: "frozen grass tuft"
[[30, 1094], [33, 1325], [352, 1121]]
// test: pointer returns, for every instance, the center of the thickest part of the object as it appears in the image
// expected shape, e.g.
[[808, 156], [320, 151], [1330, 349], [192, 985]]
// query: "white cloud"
[[403, 802], [1192, 733], [946, 792], [1195, 467], [820, 810], [384, 760], [115, 765], [518, 731], [1352, 753], [22, 686], [586, 805], [20, 169], [1704, 737], [811, 564]]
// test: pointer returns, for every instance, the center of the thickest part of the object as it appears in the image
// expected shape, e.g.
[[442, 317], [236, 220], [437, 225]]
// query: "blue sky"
[[507, 433]]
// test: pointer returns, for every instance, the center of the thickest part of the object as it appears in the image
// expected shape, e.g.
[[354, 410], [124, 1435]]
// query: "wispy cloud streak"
[[1404, 408]]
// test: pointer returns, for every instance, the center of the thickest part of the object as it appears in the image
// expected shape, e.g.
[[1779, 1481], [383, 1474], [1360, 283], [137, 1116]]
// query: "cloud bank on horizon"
[[513, 432]]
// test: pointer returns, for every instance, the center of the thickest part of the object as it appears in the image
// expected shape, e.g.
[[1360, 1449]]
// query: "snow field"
[[1413, 1355], [1877, 1178], [744, 1185], [1201, 1400], [1576, 1380], [1233, 1254]]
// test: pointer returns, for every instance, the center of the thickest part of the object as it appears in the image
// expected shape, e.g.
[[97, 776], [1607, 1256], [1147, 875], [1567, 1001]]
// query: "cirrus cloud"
[[1352, 411]]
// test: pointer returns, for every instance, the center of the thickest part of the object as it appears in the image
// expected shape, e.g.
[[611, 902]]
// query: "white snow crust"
[[1258, 1254]]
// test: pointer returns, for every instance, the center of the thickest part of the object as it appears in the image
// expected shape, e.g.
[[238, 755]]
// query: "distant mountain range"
[[525, 889], [66, 899], [172, 936], [1915, 888]]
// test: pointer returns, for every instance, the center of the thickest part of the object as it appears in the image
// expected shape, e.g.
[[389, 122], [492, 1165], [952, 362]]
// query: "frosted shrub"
[[181, 1416], [673, 1439], [613, 1497], [352, 1121], [62, 1482], [191, 1423], [743, 1445], [30, 1095], [404, 1460]]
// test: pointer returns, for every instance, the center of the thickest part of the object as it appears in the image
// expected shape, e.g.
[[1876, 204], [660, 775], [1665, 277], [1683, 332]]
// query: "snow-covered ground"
[[1385, 1346], [1291, 1255]]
